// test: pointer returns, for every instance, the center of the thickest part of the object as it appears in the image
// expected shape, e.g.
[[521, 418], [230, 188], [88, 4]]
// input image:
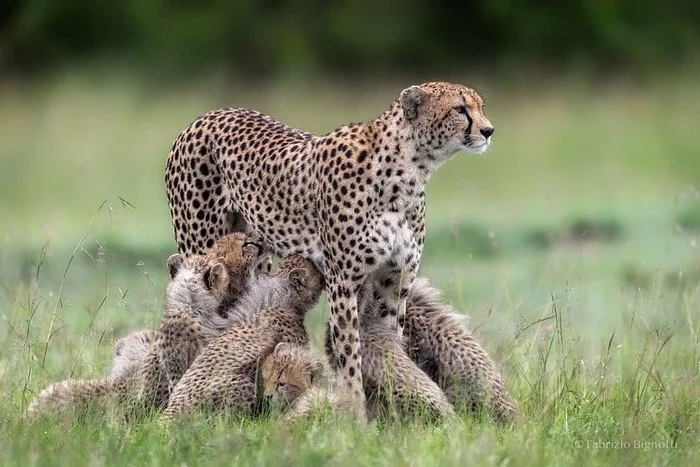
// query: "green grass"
[[573, 247]]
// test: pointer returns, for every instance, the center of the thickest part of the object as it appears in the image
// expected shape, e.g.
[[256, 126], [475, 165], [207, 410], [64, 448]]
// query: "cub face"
[[446, 118], [288, 372], [218, 277], [200, 272], [304, 278]]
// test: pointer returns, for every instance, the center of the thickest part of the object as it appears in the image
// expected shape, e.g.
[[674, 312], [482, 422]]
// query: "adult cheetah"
[[352, 201], [225, 375]]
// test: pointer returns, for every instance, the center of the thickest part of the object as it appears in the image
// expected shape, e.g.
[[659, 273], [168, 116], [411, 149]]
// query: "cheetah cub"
[[297, 382], [225, 376], [443, 347], [130, 352], [201, 291], [148, 362], [81, 396], [394, 385]]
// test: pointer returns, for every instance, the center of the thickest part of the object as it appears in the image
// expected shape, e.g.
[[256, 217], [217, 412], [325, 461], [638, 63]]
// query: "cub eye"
[[281, 384], [461, 109]]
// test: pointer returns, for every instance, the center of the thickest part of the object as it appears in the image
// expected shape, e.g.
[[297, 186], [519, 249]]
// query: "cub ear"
[[297, 277], [174, 264], [317, 372], [216, 278], [410, 99], [119, 346], [281, 347]]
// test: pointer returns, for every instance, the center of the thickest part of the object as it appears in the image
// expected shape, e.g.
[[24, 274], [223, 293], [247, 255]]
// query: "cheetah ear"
[[119, 346], [217, 277], [174, 264], [297, 277], [317, 372], [410, 99], [280, 347]]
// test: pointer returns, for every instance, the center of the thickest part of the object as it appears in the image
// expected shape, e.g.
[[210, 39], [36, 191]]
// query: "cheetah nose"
[[488, 131]]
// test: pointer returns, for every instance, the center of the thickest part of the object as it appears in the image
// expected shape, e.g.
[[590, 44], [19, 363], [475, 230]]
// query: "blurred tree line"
[[272, 36]]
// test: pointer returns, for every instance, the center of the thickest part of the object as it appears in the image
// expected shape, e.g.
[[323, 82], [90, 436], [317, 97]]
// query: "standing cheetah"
[[352, 201], [225, 374]]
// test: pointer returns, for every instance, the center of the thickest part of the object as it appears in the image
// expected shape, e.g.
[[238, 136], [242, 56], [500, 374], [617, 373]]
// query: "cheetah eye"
[[252, 243], [460, 109], [281, 385]]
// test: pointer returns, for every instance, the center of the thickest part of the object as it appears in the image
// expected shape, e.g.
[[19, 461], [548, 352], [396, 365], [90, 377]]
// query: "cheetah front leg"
[[345, 338], [393, 281], [406, 278], [391, 286], [416, 221]]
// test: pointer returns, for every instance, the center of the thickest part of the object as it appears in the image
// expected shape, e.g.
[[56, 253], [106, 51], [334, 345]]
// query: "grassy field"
[[573, 247]]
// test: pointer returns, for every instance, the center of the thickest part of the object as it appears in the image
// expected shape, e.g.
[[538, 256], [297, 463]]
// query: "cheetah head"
[[215, 280], [289, 371], [130, 352], [446, 118], [243, 256], [304, 279]]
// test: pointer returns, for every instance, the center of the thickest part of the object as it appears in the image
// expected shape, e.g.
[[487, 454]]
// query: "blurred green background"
[[271, 37], [587, 193], [572, 244]]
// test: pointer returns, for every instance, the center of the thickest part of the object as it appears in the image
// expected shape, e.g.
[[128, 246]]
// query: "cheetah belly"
[[304, 242], [292, 234]]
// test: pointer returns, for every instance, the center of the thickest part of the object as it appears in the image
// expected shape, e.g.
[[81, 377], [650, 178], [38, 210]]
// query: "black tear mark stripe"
[[469, 119], [446, 115]]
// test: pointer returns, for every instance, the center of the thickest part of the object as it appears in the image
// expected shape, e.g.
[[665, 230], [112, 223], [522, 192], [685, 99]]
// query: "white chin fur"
[[479, 149]]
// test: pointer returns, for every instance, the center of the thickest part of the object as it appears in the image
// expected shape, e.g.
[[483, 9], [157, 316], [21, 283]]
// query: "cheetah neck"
[[186, 294], [392, 130]]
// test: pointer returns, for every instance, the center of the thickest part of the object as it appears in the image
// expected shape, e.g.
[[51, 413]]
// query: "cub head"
[[130, 352], [217, 279], [446, 118], [209, 273], [242, 256], [288, 372], [304, 279]]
